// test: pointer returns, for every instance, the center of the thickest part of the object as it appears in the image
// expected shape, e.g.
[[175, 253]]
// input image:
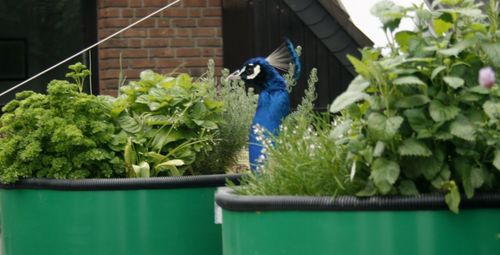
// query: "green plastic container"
[[348, 225], [172, 215]]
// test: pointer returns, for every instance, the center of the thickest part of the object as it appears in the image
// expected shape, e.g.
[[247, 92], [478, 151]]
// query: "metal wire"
[[90, 47]]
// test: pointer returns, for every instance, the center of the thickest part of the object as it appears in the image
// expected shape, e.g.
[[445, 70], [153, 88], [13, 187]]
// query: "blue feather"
[[295, 59], [274, 102]]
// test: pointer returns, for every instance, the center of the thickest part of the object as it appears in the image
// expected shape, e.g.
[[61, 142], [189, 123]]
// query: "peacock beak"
[[236, 74]]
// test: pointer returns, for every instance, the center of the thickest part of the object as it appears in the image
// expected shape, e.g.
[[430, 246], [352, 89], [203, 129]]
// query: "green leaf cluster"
[[416, 120], [65, 134], [166, 123]]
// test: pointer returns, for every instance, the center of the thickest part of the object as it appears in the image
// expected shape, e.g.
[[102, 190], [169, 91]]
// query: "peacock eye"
[[249, 70]]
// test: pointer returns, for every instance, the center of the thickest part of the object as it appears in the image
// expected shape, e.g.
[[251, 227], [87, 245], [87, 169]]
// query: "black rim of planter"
[[126, 183], [229, 200]]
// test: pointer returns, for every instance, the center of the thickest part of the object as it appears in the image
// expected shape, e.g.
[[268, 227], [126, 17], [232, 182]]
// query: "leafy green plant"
[[65, 134], [232, 136], [303, 159], [166, 122], [418, 120]]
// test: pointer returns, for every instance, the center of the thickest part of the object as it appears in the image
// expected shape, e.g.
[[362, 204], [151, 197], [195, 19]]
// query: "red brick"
[[196, 62], [170, 63], [210, 22], [127, 13], [175, 12], [142, 63], [114, 43], [163, 22], [194, 13], [203, 32], [161, 52], [143, 12], [210, 42], [212, 12], [182, 32], [145, 23], [133, 74], [113, 3], [219, 52], [136, 3], [135, 32], [155, 3], [187, 52], [134, 43], [195, 3], [182, 42], [161, 32], [208, 52], [215, 3], [154, 43], [109, 53], [184, 22], [109, 64], [135, 53], [111, 23], [109, 74], [109, 13]]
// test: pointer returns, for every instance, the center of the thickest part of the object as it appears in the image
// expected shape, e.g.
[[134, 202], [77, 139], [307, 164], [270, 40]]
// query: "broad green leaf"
[[341, 129], [347, 98], [496, 160], [436, 71], [442, 24], [449, 2], [443, 177], [440, 112], [480, 90], [454, 82], [452, 198], [141, 170], [408, 188], [368, 191], [173, 162], [389, 14], [403, 39], [379, 149], [457, 48], [359, 66], [165, 136], [492, 50], [212, 104], [464, 168], [461, 127], [412, 101], [492, 109], [419, 122], [359, 84], [129, 124], [382, 128], [413, 147], [408, 80], [384, 174], [478, 27], [129, 154]]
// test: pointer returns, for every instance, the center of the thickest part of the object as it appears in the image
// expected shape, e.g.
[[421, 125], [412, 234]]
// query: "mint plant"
[[421, 118], [167, 122]]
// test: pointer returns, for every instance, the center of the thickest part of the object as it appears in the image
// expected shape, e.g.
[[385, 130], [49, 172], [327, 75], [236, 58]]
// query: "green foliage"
[[65, 134], [303, 159], [167, 122], [417, 120], [232, 137]]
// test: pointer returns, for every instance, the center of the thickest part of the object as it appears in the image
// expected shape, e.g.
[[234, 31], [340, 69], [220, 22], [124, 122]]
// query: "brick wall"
[[182, 37]]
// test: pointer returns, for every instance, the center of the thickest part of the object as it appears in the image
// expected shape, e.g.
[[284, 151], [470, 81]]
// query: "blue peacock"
[[274, 102]]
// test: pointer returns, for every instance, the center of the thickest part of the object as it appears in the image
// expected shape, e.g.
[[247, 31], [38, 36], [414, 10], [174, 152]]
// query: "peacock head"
[[255, 71], [263, 72]]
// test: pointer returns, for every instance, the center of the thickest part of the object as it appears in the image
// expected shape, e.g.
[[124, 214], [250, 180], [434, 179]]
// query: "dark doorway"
[[36, 34]]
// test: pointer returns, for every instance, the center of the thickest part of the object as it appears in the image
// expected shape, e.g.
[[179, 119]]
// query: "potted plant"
[[417, 139], [73, 166]]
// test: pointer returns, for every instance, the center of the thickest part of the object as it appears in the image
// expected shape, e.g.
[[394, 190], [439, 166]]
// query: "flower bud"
[[486, 77]]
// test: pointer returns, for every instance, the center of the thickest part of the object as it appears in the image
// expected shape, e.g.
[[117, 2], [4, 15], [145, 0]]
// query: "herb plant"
[[302, 159], [419, 119], [65, 134], [232, 135], [167, 122]]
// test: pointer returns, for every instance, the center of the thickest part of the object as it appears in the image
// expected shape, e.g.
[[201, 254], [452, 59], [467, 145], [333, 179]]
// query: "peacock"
[[274, 102]]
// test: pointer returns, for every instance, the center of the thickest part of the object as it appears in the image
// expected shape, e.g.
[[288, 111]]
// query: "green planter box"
[[171, 215], [348, 225]]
